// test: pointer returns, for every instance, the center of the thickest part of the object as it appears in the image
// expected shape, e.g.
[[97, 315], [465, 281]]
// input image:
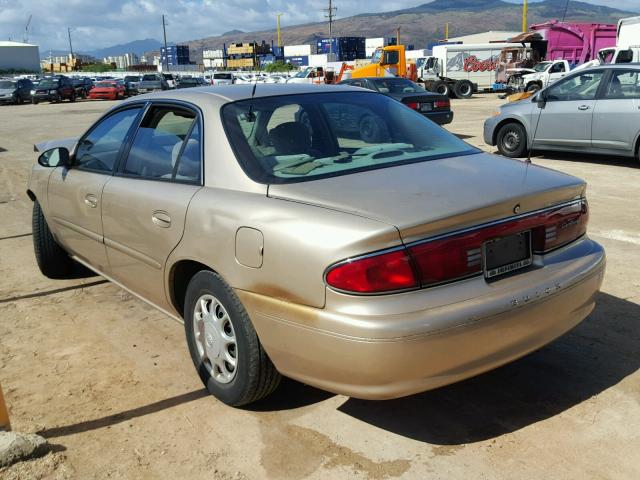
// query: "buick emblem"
[[516, 209]]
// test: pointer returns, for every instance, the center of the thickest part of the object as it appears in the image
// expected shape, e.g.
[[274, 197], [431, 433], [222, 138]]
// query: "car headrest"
[[290, 138]]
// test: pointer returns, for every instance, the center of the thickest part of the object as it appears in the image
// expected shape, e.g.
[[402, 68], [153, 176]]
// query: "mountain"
[[137, 46], [424, 23]]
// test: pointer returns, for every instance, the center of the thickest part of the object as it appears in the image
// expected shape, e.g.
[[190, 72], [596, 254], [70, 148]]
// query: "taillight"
[[413, 105], [442, 104], [377, 273], [457, 255]]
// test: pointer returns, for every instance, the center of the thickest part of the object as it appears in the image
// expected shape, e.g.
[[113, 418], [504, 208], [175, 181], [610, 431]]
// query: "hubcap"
[[511, 140], [215, 338], [465, 90]]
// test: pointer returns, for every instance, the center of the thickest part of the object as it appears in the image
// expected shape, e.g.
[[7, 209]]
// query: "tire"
[[34, 101], [57, 98], [52, 260], [440, 87], [254, 376], [463, 89], [533, 87], [72, 98], [512, 140]]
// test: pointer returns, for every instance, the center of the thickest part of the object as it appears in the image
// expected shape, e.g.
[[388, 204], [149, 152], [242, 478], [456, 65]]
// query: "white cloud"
[[100, 24]]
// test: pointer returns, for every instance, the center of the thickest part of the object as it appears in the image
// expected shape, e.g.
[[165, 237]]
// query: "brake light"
[[455, 256], [442, 104], [381, 273], [413, 105]]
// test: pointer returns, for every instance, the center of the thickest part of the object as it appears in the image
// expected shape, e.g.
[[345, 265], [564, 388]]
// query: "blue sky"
[[102, 24]]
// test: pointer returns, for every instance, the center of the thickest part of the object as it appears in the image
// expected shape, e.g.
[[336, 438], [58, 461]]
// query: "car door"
[[616, 113], [565, 120], [75, 194], [144, 206]]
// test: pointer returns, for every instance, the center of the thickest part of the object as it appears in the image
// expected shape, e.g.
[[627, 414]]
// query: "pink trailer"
[[575, 42]]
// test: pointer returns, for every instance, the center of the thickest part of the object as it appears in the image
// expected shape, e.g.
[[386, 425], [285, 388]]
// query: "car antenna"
[[541, 105], [250, 116]]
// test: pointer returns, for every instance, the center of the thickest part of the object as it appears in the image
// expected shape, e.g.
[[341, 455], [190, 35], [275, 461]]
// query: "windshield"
[[131, 79], [397, 85], [150, 78], [375, 58], [105, 85], [7, 84], [303, 73], [293, 138], [49, 83], [542, 66]]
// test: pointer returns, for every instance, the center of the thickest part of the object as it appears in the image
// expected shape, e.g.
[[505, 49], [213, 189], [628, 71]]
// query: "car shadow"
[[587, 158], [289, 395], [595, 356]]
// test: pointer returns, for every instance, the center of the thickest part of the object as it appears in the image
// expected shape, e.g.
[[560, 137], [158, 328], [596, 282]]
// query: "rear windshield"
[[150, 78], [294, 138], [131, 79], [222, 76], [105, 85], [49, 83], [397, 85]]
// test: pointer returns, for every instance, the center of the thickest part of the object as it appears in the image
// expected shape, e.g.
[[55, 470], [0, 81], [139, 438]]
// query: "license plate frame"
[[426, 107], [516, 259]]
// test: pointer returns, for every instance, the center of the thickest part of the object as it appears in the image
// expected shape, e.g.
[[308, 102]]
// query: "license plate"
[[426, 107], [507, 254]]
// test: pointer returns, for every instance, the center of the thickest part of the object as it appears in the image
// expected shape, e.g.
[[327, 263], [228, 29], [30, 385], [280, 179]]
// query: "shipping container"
[[241, 63], [297, 50], [213, 53], [298, 61]]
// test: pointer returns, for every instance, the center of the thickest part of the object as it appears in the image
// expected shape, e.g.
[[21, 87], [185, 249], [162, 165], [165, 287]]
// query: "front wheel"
[[223, 344], [512, 140], [533, 87], [52, 260], [463, 89], [72, 98], [440, 87]]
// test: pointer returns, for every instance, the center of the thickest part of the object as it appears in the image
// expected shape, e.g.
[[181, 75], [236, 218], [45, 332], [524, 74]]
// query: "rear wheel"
[[52, 260], [463, 89], [72, 98], [512, 140], [34, 101], [223, 344]]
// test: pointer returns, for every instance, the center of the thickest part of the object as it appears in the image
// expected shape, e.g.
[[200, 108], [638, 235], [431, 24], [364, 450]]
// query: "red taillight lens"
[[561, 227], [413, 105], [441, 104], [386, 272], [448, 259]]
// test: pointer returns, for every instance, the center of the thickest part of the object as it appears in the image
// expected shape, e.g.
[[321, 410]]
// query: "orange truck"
[[389, 61]]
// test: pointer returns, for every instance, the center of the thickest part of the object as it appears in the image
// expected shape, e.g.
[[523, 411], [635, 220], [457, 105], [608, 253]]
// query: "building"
[[122, 62], [174, 55], [19, 56]]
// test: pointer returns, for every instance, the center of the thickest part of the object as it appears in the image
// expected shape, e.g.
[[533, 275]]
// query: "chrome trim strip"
[[440, 237], [78, 229], [91, 267], [133, 253]]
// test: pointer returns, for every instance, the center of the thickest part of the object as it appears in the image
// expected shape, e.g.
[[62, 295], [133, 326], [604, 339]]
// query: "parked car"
[[434, 106], [107, 90], [170, 79], [589, 111], [15, 91], [222, 78], [82, 86], [131, 84], [152, 82], [189, 82], [374, 268], [54, 89]]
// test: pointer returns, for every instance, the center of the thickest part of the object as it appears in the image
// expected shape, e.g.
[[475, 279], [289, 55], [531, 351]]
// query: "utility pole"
[[525, 10], [398, 35], [70, 46], [330, 14], [26, 30], [164, 32], [446, 30], [279, 32]]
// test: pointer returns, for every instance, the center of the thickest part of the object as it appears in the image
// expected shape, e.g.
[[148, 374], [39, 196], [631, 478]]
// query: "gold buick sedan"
[[328, 234]]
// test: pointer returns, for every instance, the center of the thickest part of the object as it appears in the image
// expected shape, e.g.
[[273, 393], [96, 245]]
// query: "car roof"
[[232, 93]]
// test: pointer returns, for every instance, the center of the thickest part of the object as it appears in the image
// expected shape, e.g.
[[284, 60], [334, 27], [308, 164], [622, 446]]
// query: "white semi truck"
[[461, 69]]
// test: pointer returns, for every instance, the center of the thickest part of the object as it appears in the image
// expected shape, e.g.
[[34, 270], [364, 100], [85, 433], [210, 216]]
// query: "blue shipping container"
[[297, 61]]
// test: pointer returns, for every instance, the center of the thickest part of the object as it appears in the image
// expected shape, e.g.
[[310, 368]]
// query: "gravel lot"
[[108, 380]]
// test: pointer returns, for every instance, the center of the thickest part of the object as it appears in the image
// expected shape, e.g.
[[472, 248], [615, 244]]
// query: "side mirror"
[[541, 99], [55, 157]]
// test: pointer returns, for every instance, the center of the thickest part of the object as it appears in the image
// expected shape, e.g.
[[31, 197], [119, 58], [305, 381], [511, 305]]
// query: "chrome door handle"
[[161, 219], [583, 107], [91, 200]]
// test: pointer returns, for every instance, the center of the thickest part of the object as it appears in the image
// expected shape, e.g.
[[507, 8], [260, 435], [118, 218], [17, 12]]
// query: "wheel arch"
[[180, 275], [502, 123]]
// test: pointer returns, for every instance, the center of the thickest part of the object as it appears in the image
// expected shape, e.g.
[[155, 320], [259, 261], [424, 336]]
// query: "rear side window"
[[167, 137], [99, 150], [623, 84]]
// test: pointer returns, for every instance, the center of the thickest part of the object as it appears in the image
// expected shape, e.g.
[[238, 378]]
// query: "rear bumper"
[[359, 346], [441, 118]]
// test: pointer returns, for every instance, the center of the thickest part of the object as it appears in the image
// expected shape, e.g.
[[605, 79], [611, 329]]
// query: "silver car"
[[595, 110]]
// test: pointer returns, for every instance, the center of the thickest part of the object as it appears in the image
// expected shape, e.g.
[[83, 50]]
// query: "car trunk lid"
[[430, 198]]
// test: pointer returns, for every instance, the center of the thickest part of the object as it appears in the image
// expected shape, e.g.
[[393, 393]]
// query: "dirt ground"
[[108, 380]]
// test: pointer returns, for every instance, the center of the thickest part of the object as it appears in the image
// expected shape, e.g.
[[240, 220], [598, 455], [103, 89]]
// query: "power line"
[[566, 5]]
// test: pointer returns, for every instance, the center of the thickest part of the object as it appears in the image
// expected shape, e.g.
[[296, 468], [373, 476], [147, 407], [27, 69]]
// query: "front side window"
[[623, 84], [397, 85], [99, 150], [159, 142], [580, 87], [295, 138]]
